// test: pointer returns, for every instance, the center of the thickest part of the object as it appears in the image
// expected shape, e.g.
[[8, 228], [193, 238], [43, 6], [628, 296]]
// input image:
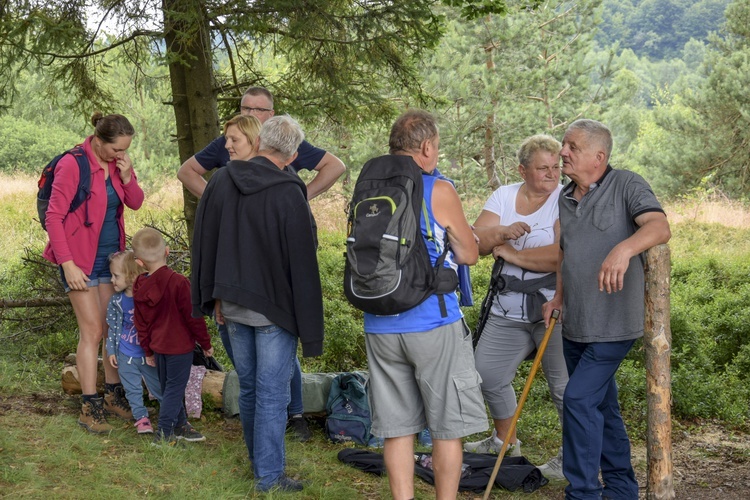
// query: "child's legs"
[[151, 377], [130, 376], [174, 372]]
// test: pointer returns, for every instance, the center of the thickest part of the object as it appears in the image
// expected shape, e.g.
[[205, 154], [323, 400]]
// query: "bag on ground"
[[348, 409]]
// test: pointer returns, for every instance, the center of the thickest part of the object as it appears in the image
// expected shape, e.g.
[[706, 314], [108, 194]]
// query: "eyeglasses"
[[248, 109]]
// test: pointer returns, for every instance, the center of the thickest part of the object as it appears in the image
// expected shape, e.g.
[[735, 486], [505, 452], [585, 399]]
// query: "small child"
[[125, 352], [167, 331]]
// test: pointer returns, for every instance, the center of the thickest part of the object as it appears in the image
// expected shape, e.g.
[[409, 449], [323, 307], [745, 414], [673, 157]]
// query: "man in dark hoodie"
[[253, 255]]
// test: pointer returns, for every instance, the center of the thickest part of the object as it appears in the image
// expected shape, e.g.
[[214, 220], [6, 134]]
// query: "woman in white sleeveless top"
[[519, 224]]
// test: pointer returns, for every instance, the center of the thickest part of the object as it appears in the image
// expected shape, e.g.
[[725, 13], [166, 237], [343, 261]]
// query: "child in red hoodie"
[[167, 332]]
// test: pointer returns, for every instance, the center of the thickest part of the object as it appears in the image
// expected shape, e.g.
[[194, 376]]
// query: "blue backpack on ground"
[[48, 177], [348, 409]]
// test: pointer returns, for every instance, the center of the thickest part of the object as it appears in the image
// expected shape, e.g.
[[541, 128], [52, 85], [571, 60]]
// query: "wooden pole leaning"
[[534, 367], [657, 342]]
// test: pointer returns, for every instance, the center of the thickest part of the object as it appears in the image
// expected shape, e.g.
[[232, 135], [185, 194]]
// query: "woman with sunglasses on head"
[[520, 225], [81, 241]]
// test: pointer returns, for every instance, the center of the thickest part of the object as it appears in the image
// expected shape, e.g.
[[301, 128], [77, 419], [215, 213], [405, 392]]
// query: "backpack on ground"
[[48, 177], [388, 268], [348, 409]]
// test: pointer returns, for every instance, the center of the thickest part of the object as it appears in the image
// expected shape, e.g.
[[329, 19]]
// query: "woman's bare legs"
[[87, 308]]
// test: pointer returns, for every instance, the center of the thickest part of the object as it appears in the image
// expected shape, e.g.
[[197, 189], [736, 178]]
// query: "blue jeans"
[[264, 359], [295, 406], [174, 372], [594, 435], [131, 370]]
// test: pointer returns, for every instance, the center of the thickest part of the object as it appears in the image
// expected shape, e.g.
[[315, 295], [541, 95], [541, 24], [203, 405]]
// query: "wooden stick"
[[534, 367]]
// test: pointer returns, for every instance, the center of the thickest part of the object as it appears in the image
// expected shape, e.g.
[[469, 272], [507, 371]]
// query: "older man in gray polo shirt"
[[608, 218]]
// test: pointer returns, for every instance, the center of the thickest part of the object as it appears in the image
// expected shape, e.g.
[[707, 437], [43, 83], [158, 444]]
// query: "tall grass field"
[[44, 453]]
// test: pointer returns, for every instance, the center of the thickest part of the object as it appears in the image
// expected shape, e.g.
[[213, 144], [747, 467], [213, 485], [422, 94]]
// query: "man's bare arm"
[[446, 205], [191, 175], [328, 170]]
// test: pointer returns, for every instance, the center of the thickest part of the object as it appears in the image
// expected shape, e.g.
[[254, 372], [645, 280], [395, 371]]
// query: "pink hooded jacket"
[[69, 237]]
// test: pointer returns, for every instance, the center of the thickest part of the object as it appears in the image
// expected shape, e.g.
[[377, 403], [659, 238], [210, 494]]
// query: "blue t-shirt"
[[109, 238], [215, 155], [129, 345]]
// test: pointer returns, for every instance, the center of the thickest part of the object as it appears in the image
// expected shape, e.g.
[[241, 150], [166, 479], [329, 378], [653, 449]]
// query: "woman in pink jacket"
[[81, 241]]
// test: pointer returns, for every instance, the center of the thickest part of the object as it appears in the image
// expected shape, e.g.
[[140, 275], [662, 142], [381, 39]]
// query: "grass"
[[43, 452]]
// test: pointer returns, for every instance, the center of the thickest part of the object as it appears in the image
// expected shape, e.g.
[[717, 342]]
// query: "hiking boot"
[[553, 468], [285, 483], [92, 417], [115, 403], [188, 433], [297, 425], [424, 438], [492, 445], [143, 426]]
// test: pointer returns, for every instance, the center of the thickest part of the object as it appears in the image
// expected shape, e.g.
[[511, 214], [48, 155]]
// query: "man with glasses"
[[258, 102]]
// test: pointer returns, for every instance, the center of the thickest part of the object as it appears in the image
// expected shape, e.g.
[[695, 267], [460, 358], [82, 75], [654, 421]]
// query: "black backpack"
[[48, 177], [388, 268]]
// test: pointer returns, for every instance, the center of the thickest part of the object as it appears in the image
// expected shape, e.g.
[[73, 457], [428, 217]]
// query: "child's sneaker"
[[188, 433], [162, 441], [143, 426]]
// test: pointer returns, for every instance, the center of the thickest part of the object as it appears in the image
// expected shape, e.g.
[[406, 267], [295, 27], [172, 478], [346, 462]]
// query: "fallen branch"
[[43, 302]]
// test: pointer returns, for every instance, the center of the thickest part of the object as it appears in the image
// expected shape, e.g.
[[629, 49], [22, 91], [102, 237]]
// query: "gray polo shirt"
[[589, 229]]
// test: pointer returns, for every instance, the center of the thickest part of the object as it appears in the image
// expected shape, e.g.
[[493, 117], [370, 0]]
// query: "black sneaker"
[[162, 441], [298, 426], [189, 434], [286, 483]]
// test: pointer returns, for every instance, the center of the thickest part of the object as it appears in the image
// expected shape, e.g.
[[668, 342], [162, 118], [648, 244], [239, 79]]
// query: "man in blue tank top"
[[421, 362]]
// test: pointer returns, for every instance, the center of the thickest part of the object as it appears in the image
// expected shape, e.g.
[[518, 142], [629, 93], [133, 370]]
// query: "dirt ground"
[[709, 462]]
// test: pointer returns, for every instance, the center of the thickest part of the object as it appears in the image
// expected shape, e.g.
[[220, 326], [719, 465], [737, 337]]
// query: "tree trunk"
[[657, 341], [489, 134], [188, 45]]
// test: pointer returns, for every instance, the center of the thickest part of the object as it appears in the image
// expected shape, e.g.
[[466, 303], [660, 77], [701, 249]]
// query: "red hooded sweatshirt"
[[163, 314]]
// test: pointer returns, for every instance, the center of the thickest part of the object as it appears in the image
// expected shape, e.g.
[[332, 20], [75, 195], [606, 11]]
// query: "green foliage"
[[344, 344], [659, 29], [500, 79], [25, 148]]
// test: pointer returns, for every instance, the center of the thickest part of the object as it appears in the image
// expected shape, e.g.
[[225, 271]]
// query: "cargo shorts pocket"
[[470, 398]]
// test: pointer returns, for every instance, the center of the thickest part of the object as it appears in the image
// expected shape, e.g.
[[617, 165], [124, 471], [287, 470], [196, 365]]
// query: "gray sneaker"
[[553, 468], [492, 445]]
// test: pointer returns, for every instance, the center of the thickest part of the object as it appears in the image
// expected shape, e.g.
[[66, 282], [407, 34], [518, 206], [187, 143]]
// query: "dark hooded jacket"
[[163, 314], [254, 245]]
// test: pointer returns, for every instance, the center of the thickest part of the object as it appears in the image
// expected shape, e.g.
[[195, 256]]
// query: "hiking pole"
[[534, 367], [497, 283]]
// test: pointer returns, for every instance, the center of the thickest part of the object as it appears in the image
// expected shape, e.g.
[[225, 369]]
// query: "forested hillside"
[[659, 29], [668, 76]]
